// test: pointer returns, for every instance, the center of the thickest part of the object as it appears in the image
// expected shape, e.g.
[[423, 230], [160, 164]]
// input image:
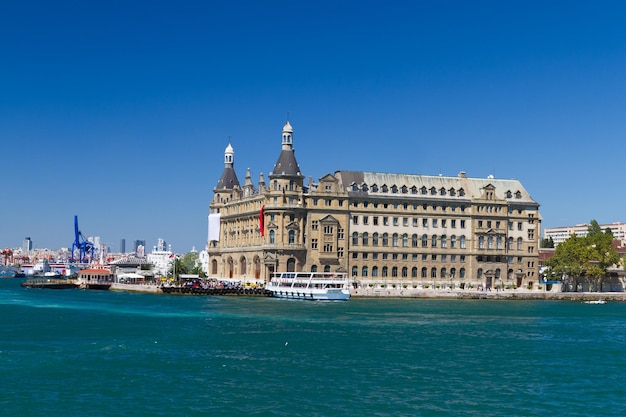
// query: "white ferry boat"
[[310, 285]]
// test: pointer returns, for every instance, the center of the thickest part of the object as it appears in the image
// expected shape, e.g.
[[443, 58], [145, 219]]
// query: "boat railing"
[[316, 276]]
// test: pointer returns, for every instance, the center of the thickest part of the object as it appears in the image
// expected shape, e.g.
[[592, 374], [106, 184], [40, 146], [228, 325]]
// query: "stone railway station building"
[[381, 228]]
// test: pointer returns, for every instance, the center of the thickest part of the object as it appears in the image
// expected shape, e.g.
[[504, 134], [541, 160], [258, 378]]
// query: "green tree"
[[187, 264], [585, 259], [547, 243]]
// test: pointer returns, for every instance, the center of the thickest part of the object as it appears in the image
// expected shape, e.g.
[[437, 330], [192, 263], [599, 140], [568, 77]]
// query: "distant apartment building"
[[123, 246], [560, 234], [27, 245]]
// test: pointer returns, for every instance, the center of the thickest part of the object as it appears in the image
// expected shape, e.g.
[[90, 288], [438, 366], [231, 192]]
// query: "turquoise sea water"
[[103, 353]]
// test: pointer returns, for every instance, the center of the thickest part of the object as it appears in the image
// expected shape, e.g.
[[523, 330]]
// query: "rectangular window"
[[405, 221], [355, 219], [314, 224], [328, 247], [462, 224], [385, 256], [314, 244], [434, 222], [453, 223], [375, 220], [424, 257], [385, 221], [414, 221], [339, 233], [366, 220], [424, 222], [443, 222], [395, 221]]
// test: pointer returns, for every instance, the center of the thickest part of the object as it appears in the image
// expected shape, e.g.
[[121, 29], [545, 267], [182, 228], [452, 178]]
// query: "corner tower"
[[228, 183], [286, 174]]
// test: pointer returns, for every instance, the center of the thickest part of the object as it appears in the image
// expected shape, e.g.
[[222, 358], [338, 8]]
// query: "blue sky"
[[119, 111]]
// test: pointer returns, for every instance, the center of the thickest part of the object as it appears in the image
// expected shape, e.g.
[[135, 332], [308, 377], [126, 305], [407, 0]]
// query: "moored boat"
[[310, 285]]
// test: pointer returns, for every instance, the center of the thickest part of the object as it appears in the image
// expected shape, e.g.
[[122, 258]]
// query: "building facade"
[[381, 228], [561, 234]]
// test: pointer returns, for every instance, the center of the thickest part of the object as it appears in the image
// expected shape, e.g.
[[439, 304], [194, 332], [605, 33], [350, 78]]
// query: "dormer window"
[[433, 191], [423, 191], [414, 190], [442, 191], [374, 188], [452, 191], [394, 189], [509, 194], [461, 192], [364, 187], [518, 194], [354, 187], [404, 189], [384, 188]]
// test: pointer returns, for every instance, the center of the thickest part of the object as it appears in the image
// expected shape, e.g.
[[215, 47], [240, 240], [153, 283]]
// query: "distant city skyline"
[[120, 113]]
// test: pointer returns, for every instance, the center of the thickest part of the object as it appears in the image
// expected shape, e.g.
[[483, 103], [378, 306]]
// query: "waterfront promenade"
[[517, 294]]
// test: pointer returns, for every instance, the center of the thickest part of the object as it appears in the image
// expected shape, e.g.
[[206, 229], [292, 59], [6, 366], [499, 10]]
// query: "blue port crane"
[[85, 248]]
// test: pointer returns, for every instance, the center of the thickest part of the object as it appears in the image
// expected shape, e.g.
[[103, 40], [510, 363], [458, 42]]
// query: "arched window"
[[355, 271], [414, 272], [443, 273], [395, 239], [433, 273], [479, 273], [433, 242], [519, 243], [313, 268], [374, 271], [375, 239], [499, 242], [405, 272], [292, 236], [394, 272], [414, 240], [365, 239], [462, 273], [385, 269], [490, 242], [424, 272], [385, 239], [326, 268], [481, 242], [452, 273], [272, 236], [509, 245], [462, 241], [364, 271], [444, 242], [424, 241], [405, 240], [355, 238], [453, 241]]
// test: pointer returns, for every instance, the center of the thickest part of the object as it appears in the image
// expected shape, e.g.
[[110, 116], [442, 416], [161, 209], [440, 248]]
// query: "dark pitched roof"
[[228, 180], [287, 164]]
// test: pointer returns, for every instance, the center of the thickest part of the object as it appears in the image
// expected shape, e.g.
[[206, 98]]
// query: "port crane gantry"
[[85, 248]]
